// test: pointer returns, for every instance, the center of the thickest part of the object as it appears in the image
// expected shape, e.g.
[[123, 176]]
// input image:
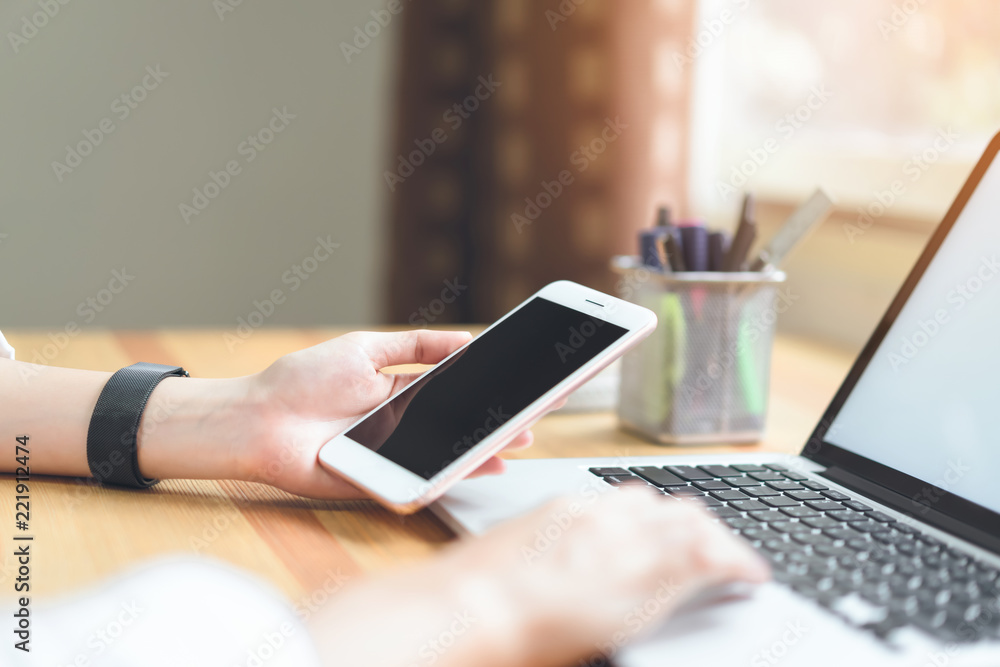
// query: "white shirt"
[[6, 351]]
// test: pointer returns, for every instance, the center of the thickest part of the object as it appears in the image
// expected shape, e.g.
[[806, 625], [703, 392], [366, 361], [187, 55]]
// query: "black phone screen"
[[443, 415]]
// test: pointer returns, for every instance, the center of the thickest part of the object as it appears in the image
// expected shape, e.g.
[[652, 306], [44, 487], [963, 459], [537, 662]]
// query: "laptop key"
[[780, 501], [724, 512], [767, 476], [729, 494], [833, 552], [824, 505], [804, 495], [881, 517], [709, 501], [760, 534], [822, 522], [741, 523], [747, 467], [685, 491], [747, 505], [658, 476], [768, 515], [815, 486], [847, 515], [621, 480], [711, 485], [760, 491], [740, 482], [689, 473], [790, 527], [856, 506], [812, 539], [795, 476], [868, 526], [609, 472], [800, 512], [836, 495], [841, 533], [784, 485], [720, 471]]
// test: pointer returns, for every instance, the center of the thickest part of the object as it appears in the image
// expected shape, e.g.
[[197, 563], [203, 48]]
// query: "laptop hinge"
[[910, 507]]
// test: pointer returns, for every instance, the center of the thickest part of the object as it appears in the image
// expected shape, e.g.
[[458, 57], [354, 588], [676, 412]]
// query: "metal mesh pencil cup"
[[703, 375]]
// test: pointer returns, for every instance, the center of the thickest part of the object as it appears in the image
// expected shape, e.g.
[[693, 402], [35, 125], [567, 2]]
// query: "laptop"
[[884, 532]]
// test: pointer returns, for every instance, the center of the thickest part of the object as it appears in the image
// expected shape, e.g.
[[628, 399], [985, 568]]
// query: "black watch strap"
[[111, 438]]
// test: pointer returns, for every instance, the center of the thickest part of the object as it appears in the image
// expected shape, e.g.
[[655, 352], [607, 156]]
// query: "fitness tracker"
[[112, 453]]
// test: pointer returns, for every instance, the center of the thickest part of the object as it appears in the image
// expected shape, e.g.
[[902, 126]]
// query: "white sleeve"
[[6, 351]]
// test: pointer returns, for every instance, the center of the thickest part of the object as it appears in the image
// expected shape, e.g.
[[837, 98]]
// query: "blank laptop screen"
[[928, 403]]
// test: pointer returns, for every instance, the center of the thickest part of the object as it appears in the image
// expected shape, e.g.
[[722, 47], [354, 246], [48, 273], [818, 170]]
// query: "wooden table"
[[85, 532]]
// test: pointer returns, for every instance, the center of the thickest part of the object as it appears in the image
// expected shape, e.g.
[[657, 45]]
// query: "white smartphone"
[[453, 418]]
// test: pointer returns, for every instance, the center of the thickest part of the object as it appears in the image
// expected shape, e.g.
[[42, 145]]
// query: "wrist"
[[196, 428]]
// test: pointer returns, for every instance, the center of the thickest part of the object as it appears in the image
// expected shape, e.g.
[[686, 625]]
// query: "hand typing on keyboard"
[[865, 565], [573, 579]]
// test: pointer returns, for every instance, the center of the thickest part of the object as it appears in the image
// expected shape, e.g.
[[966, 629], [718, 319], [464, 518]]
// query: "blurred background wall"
[[226, 66], [425, 132]]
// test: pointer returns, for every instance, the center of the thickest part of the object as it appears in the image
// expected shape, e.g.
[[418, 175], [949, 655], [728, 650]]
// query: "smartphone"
[[410, 450]]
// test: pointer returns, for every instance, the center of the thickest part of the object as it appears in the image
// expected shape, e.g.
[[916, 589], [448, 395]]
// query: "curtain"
[[533, 139]]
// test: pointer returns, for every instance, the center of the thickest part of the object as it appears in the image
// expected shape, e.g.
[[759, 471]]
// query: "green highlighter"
[[746, 367], [667, 352]]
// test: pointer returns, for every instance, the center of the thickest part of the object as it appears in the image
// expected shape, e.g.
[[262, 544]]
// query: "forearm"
[[191, 428], [431, 614]]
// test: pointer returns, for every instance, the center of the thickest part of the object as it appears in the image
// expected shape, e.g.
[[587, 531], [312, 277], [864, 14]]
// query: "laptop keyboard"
[[878, 573]]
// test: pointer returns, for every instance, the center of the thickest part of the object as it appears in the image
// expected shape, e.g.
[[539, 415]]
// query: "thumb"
[[409, 347]]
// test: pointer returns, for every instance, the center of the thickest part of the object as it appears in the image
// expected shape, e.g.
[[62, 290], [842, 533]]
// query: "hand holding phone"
[[413, 447]]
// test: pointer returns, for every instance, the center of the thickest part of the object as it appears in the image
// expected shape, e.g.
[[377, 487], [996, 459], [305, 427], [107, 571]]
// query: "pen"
[[746, 234], [806, 218], [672, 250], [649, 251], [694, 245], [718, 244]]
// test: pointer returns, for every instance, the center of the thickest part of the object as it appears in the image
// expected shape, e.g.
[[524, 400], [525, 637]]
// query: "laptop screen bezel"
[[926, 500]]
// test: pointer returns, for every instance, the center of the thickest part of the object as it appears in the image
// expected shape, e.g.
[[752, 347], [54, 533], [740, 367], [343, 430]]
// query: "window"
[[853, 95]]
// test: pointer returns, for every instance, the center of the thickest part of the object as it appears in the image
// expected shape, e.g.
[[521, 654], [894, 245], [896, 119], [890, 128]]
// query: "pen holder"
[[703, 375]]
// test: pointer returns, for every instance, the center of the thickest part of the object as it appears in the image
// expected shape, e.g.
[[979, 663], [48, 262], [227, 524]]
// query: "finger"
[[409, 347], [522, 441], [494, 466], [717, 554]]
